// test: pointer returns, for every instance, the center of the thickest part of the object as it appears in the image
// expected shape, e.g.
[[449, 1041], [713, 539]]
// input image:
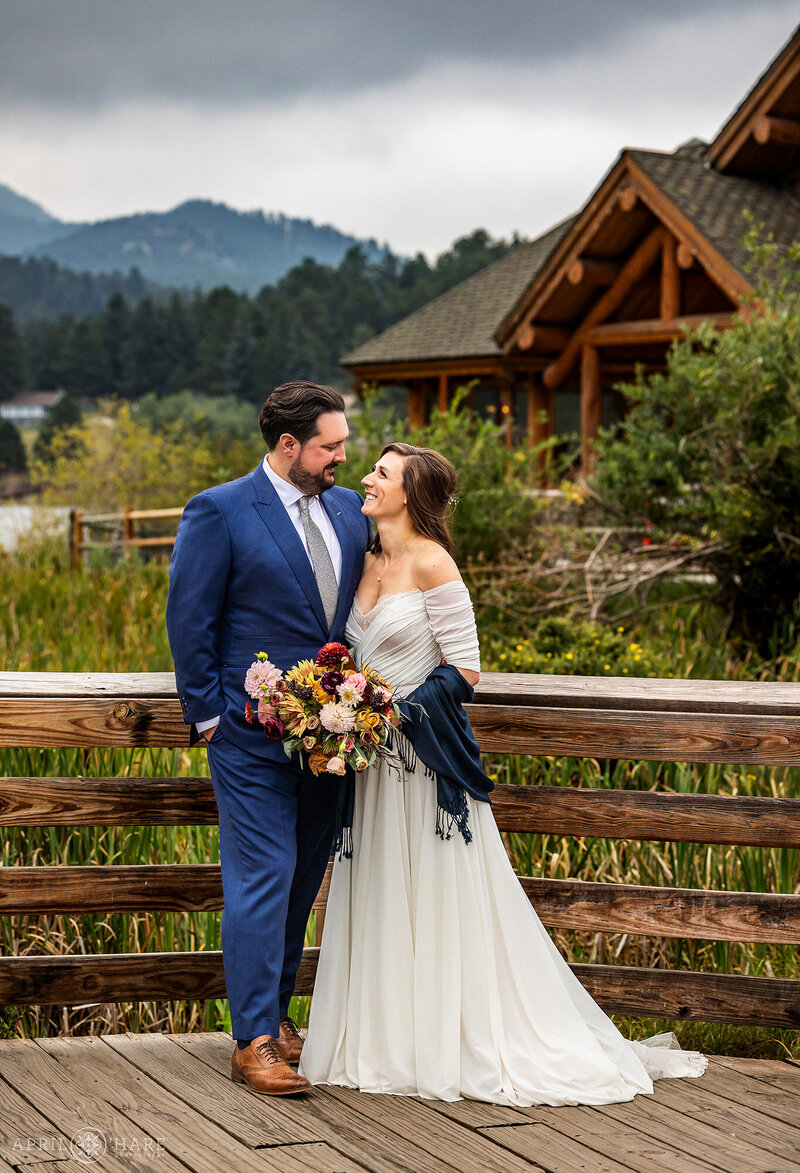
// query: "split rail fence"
[[118, 531], [655, 720]]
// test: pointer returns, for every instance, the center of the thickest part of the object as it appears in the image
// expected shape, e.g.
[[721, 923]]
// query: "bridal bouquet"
[[337, 715]]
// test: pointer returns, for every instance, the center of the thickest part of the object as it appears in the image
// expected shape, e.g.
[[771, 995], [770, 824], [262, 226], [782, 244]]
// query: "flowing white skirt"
[[437, 978]]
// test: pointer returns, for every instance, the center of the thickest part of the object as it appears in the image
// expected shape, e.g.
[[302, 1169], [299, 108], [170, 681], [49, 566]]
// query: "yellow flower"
[[569, 655], [365, 720], [620, 629], [607, 667], [304, 673], [320, 695]]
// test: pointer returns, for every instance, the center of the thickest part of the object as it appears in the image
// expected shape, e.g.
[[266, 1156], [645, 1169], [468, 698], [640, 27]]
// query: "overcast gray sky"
[[413, 121]]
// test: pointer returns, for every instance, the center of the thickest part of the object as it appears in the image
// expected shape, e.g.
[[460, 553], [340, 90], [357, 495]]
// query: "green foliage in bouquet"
[[711, 449]]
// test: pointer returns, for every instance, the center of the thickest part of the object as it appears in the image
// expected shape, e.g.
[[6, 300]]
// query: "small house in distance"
[[29, 408], [549, 329]]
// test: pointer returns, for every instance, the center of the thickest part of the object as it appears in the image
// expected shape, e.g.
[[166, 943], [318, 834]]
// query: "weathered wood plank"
[[699, 997], [503, 688], [649, 736], [546, 1148], [90, 722], [189, 1136], [338, 1122], [632, 814], [666, 912], [125, 977], [559, 810], [107, 802], [706, 1138], [71, 1106], [118, 888], [443, 1139], [767, 1099], [576, 904], [21, 1127]]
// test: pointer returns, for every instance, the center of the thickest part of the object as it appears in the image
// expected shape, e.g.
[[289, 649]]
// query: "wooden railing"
[[119, 530], [655, 720]]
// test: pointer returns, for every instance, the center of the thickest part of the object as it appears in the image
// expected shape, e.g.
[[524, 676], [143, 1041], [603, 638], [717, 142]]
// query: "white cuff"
[[201, 726]]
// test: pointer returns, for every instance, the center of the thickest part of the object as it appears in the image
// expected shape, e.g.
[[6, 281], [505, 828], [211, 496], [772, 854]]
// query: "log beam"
[[628, 199], [670, 301], [772, 129], [591, 402], [651, 329], [543, 337], [592, 271], [684, 255], [632, 272]]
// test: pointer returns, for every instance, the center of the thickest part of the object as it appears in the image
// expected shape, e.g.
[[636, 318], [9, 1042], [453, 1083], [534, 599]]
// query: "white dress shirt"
[[290, 495]]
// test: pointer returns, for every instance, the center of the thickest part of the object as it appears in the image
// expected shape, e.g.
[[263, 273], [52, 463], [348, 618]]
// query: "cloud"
[[416, 158], [84, 54]]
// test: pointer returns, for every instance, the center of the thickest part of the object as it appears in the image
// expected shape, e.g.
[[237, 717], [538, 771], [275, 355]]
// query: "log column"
[[540, 419], [416, 404], [591, 402], [442, 401], [670, 281]]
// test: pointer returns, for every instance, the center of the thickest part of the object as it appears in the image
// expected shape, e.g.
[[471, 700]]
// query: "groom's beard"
[[312, 483]]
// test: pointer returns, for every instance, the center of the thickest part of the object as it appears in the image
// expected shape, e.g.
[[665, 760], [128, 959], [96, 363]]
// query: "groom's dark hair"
[[295, 408]]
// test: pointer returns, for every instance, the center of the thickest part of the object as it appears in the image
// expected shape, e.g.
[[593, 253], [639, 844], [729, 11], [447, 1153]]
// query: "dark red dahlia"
[[332, 655]]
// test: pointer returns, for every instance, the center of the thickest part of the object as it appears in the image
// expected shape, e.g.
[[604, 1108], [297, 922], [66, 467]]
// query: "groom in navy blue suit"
[[269, 562]]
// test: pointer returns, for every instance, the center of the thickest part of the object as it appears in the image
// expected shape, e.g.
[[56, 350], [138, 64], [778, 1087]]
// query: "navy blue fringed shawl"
[[441, 737]]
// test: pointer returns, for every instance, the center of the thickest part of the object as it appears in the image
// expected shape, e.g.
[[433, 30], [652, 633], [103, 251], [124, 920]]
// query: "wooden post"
[[76, 538], [442, 401], [670, 281], [505, 388], [591, 403], [685, 256], [540, 419], [416, 404]]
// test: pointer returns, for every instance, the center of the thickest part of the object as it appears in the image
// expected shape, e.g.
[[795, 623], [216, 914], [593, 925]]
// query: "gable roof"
[[463, 321], [715, 203]]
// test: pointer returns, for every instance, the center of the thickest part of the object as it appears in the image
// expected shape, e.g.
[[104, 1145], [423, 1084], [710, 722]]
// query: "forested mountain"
[[198, 244], [228, 343], [25, 224]]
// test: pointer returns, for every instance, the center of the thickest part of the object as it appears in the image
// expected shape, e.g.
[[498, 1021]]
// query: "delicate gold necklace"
[[400, 555]]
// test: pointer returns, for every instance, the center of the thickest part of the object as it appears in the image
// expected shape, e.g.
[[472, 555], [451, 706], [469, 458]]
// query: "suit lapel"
[[270, 509]]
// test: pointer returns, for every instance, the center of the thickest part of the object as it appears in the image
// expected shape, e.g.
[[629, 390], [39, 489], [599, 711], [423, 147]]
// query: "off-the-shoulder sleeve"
[[453, 624]]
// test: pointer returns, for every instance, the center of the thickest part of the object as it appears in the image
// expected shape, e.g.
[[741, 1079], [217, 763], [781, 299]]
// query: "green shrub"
[[571, 647]]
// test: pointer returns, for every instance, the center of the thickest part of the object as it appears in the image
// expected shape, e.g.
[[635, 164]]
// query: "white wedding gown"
[[436, 977]]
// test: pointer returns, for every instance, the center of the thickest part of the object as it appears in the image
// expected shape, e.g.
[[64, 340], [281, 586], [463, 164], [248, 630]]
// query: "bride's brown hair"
[[428, 481]]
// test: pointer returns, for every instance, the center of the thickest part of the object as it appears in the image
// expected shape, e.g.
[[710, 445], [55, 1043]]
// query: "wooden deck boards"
[[166, 1103]]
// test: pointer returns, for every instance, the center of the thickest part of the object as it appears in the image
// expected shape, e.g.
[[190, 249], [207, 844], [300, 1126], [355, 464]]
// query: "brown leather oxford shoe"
[[291, 1041], [264, 1069]]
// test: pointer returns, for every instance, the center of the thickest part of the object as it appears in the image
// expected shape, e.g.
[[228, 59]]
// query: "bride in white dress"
[[436, 977]]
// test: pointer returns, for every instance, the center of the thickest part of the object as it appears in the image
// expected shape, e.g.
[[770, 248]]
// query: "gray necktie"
[[321, 561]]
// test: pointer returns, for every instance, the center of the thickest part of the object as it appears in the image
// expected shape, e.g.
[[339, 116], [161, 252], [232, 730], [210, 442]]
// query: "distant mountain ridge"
[[198, 243]]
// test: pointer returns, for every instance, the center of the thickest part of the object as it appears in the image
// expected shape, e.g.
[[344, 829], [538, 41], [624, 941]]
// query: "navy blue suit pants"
[[276, 823]]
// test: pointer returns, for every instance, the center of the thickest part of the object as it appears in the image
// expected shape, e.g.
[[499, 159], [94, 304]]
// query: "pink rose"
[[336, 766], [349, 743], [358, 681], [265, 711]]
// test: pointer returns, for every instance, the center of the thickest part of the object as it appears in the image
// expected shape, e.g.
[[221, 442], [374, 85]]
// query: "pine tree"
[[12, 365], [66, 414], [12, 450]]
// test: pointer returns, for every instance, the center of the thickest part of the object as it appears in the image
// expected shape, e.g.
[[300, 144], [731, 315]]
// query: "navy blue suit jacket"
[[241, 583]]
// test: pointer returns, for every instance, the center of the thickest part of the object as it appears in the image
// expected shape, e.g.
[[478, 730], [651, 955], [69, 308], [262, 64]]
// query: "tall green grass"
[[111, 618]]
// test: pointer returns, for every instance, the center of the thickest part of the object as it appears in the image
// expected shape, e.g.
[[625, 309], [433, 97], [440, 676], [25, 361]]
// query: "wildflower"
[[607, 667], [569, 656], [337, 718], [348, 695]]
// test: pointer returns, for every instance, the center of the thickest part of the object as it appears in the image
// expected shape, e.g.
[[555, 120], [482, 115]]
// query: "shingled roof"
[[715, 203], [462, 322]]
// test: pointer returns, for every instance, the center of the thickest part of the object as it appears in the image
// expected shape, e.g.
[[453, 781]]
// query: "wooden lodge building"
[[550, 328]]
